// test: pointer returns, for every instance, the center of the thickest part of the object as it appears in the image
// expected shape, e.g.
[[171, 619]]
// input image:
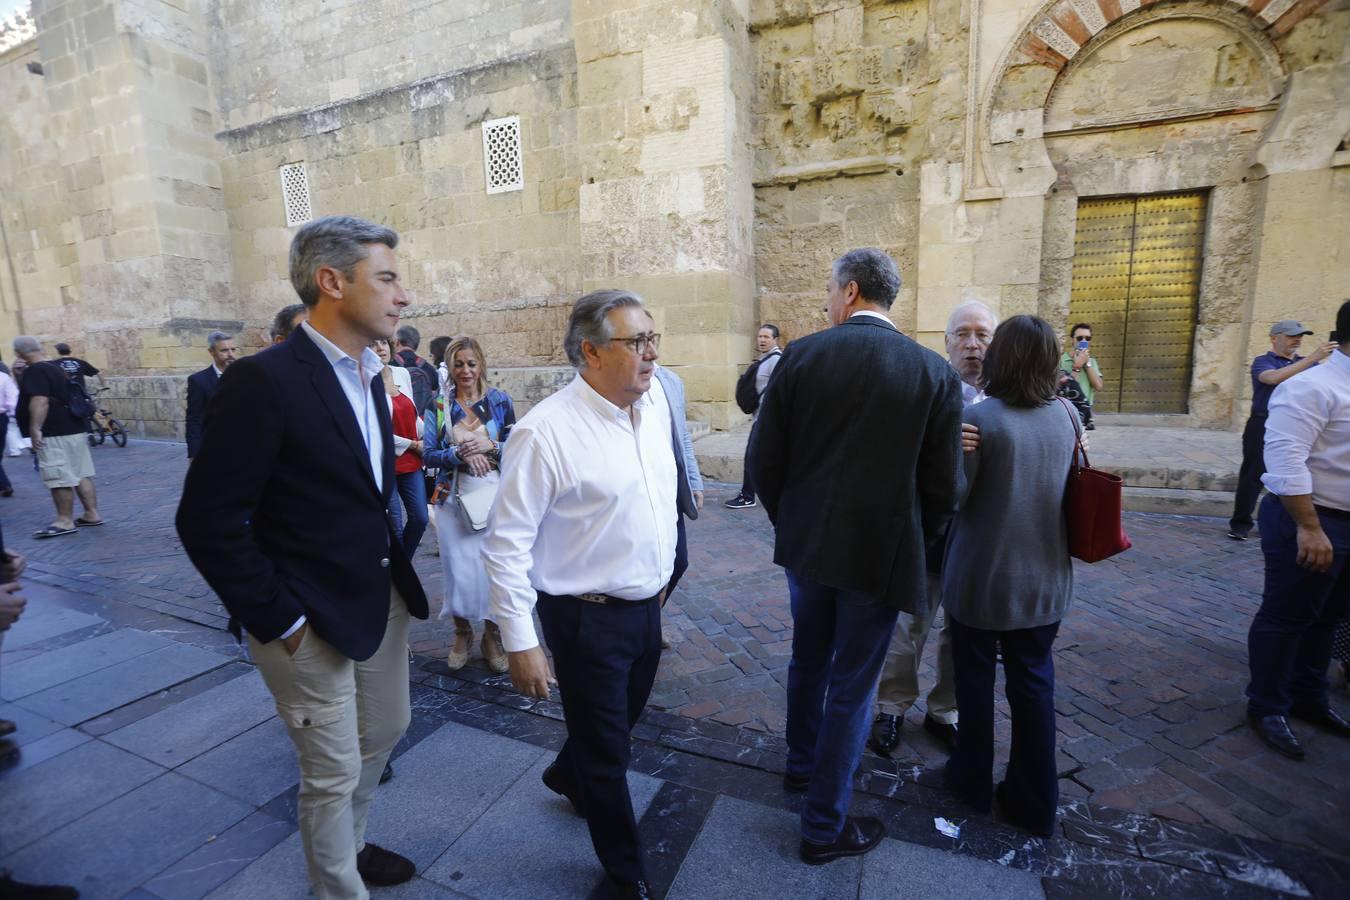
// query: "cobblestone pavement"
[[1151, 660]]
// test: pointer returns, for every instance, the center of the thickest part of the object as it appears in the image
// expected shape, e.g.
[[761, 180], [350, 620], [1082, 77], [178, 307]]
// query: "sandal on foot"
[[52, 531], [82, 522]]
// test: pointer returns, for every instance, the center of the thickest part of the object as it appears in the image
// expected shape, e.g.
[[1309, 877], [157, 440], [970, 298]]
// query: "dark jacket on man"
[[201, 387], [280, 512], [856, 456]]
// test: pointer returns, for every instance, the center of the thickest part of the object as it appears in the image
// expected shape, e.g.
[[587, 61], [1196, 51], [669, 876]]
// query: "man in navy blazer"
[[286, 514], [856, 456], [201, 387]]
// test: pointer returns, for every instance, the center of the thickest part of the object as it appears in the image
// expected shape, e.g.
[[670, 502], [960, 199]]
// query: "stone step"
[[1178, 502], [1143, 475]]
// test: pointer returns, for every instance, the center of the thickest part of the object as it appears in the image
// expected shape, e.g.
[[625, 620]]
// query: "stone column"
[[666, 192]]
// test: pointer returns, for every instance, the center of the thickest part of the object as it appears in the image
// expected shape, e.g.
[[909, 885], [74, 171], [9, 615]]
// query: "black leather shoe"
[[630, 890], [1327, 719], [557, 783], [942, 731], [1014, 816], [860, 834], [387, 773], [379, 867], [17, 890], [796, 784], [885, 734], [1274, 730]]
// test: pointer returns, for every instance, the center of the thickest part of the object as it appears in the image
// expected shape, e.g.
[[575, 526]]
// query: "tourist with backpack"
[[426, 381], [54, 413], [750, 388]]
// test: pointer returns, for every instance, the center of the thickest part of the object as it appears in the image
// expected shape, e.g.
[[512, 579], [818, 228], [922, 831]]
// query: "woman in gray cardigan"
[[1007, 579]]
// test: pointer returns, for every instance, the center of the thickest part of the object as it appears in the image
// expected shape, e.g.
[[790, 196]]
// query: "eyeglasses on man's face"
[[641, 343]]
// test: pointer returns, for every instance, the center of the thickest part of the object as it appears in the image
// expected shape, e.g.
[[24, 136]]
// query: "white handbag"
[[474, 499]]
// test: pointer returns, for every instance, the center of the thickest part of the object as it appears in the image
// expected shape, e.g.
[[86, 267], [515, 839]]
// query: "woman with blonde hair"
[[465, 431]]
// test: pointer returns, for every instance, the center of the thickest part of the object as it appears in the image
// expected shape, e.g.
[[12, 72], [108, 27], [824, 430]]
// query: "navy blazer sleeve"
[[224, 487], [767, 451], [940, 475], [196, 414]]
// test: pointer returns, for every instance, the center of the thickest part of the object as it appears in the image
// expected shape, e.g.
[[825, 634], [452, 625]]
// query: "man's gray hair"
[[968, 306], [338, 242], [408, 336], [875, 273], [216, 337], [590, 321], [25, 343]]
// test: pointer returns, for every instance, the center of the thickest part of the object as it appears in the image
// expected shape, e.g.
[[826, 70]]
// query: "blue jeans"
[[1032, 789], [839, 641], [411, 504], [1289, 644]]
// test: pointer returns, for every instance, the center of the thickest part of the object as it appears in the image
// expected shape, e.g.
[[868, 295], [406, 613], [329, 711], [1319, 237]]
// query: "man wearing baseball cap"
[[1268, 370]]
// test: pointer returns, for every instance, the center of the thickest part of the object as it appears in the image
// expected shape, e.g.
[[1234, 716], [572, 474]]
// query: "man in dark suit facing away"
[[286, 514], [201, 387], [856, 457]]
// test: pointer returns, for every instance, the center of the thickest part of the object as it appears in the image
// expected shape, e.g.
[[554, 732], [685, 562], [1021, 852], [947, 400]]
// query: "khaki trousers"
[[344, 718], [899, 685]]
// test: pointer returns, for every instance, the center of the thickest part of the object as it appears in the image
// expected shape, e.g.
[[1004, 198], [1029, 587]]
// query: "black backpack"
[[747, 398], [76, 399]]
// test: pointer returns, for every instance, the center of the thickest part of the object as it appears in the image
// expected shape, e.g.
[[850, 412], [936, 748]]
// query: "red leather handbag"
[[1092, 504]]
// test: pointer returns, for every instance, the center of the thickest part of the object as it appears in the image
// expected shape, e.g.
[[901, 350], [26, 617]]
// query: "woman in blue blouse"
[[465, 432]]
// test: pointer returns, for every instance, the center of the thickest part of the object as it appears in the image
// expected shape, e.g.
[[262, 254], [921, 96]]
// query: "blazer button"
[[384, 563]]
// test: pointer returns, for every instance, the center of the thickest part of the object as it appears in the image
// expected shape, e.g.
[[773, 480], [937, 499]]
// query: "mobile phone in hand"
[[1082, 345]]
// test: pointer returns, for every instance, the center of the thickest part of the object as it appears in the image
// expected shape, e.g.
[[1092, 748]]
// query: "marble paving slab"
[[548, 845], [97, 693], [109, 852], [254, 766], [196, 724], [75, 660], [41, 799], [40, 623], [217, 860], [899, 869], [748, 850]]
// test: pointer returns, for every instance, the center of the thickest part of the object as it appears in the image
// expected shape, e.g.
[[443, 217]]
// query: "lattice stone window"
[[501, 155], [295, 194]]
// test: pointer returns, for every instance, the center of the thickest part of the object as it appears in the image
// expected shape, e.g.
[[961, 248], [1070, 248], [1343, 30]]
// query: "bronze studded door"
[[1136, 280]]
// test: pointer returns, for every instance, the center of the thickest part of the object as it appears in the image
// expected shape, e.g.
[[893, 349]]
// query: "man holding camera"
[[1270, 369]]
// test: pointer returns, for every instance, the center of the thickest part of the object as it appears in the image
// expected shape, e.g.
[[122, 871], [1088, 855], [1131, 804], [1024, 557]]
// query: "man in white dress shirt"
[[584, 524], [1305, 537]]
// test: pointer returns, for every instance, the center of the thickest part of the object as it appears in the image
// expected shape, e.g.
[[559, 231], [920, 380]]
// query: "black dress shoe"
[[1327, 719], [1014, 816], [943, 731], [885, 734], [1274, 730], [387, 773], [796, 784], [556, 782], [630, 890], [379, 867], [860, 834], [17, 890]]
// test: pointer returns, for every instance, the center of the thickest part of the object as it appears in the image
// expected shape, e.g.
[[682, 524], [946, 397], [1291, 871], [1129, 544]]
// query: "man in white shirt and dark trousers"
[[584, 524], [1305, 537]]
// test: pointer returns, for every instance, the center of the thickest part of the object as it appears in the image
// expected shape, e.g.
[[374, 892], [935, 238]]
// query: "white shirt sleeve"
[[524, 496], [299, 623], [1298, 414]]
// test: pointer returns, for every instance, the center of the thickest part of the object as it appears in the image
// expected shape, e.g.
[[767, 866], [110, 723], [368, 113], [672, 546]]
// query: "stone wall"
[[498, 266]]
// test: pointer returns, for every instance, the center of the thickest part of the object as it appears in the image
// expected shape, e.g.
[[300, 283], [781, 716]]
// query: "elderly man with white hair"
[[969, 331]]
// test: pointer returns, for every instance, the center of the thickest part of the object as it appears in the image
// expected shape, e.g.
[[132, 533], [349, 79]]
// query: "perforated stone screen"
[[295, 194], [501, 155]]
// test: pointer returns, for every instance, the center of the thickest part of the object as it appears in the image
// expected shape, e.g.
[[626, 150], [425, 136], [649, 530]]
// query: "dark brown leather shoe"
[[1327, 719], [7, 727], [379, 867], [860, 834], [944, 732], [885, 734], [18, 890], [1274, 731], [556, 782], [630, 890]]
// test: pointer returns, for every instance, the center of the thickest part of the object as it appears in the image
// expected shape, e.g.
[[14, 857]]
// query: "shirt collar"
[[215, 368], [370, 360], [591, 397], [874, 314], [1340, 360]]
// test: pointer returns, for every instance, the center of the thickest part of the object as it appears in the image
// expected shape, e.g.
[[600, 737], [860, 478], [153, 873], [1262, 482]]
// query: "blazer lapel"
[[330, 392]]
